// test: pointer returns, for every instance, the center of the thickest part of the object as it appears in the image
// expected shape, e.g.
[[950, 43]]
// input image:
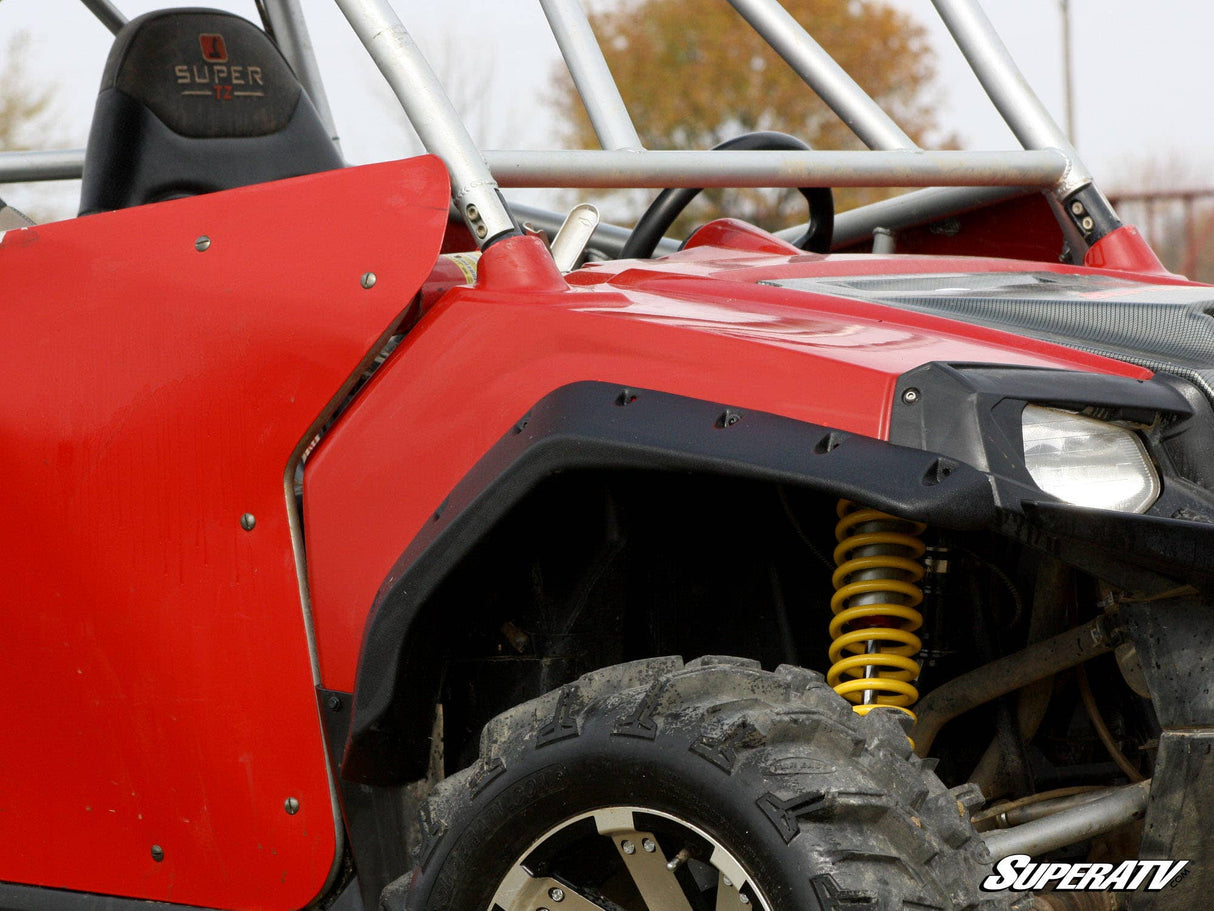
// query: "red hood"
[[726, 292]]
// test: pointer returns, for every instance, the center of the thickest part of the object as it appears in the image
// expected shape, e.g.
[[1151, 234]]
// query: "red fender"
[[153, 395], [696, 325]]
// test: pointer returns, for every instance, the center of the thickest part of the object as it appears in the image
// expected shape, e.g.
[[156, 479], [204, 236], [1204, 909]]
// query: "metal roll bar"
[[433, 116], [106, 13], [821, 73], [286, 20], [608, 113], [62, 164], [776, 169], [1007, 88], [1048, 160]]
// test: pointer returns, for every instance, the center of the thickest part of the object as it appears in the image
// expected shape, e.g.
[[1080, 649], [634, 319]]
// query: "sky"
[[1141, 73]]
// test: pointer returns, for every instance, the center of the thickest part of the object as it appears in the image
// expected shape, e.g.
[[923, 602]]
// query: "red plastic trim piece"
[[1124, 250], [519, 264], [738, 235]]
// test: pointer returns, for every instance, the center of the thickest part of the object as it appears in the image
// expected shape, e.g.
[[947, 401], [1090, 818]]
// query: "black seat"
[[192, 101]]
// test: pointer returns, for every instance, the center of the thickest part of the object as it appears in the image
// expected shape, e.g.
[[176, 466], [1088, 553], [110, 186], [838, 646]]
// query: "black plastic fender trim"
[[1136, 552], [593, 425]]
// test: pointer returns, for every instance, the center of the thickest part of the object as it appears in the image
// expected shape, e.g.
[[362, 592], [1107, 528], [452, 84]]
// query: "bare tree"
[[25, 108], [29, 120]]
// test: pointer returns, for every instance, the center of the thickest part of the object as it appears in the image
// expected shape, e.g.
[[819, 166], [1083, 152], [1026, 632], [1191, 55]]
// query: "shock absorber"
[[873, 641]]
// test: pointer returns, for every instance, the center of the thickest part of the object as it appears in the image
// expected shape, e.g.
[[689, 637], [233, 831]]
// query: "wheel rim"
[[631, 859]]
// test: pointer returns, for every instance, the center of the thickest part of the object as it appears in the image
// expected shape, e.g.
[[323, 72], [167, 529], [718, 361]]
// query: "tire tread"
[[876, 828]]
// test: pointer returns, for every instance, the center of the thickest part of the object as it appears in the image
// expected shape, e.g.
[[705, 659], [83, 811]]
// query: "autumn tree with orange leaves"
[[693, 73]]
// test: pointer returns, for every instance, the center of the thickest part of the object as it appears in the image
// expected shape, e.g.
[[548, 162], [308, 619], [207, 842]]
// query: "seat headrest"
[[204, 73]]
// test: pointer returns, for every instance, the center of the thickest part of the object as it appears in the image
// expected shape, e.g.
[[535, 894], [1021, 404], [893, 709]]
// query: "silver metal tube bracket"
[[571, 240], [1066, 827], [607, 238]]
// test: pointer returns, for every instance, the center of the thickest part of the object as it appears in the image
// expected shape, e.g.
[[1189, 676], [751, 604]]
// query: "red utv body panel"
[[153, 394], [697, 325]]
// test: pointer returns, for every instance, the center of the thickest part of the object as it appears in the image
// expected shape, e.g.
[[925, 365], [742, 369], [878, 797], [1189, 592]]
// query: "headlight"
[[1088, 462]]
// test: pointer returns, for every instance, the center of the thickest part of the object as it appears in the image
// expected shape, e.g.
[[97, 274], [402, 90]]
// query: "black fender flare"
[[594, 425]]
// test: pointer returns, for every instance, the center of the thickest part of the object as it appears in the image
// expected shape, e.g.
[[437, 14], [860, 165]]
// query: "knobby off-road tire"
[[786, 799]]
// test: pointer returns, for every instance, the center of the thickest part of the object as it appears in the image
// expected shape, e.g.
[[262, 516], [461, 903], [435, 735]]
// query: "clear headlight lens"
[[1088, 462]]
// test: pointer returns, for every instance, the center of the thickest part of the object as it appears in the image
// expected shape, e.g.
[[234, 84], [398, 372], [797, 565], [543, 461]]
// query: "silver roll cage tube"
[[1046, 162]]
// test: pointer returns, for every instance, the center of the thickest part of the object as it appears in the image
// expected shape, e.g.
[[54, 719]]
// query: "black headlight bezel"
[[972, 412]]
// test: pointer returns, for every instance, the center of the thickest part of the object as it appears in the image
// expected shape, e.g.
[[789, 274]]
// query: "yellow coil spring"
[[876, 592]]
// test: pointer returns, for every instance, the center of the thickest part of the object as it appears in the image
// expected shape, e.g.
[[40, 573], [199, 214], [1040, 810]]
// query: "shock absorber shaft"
[[875, 617]]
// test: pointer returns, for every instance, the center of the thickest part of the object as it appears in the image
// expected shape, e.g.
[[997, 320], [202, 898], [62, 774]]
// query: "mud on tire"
[[821, 808]]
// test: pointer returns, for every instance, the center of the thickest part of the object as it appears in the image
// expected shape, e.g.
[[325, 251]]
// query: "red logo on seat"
[[214, 50]]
